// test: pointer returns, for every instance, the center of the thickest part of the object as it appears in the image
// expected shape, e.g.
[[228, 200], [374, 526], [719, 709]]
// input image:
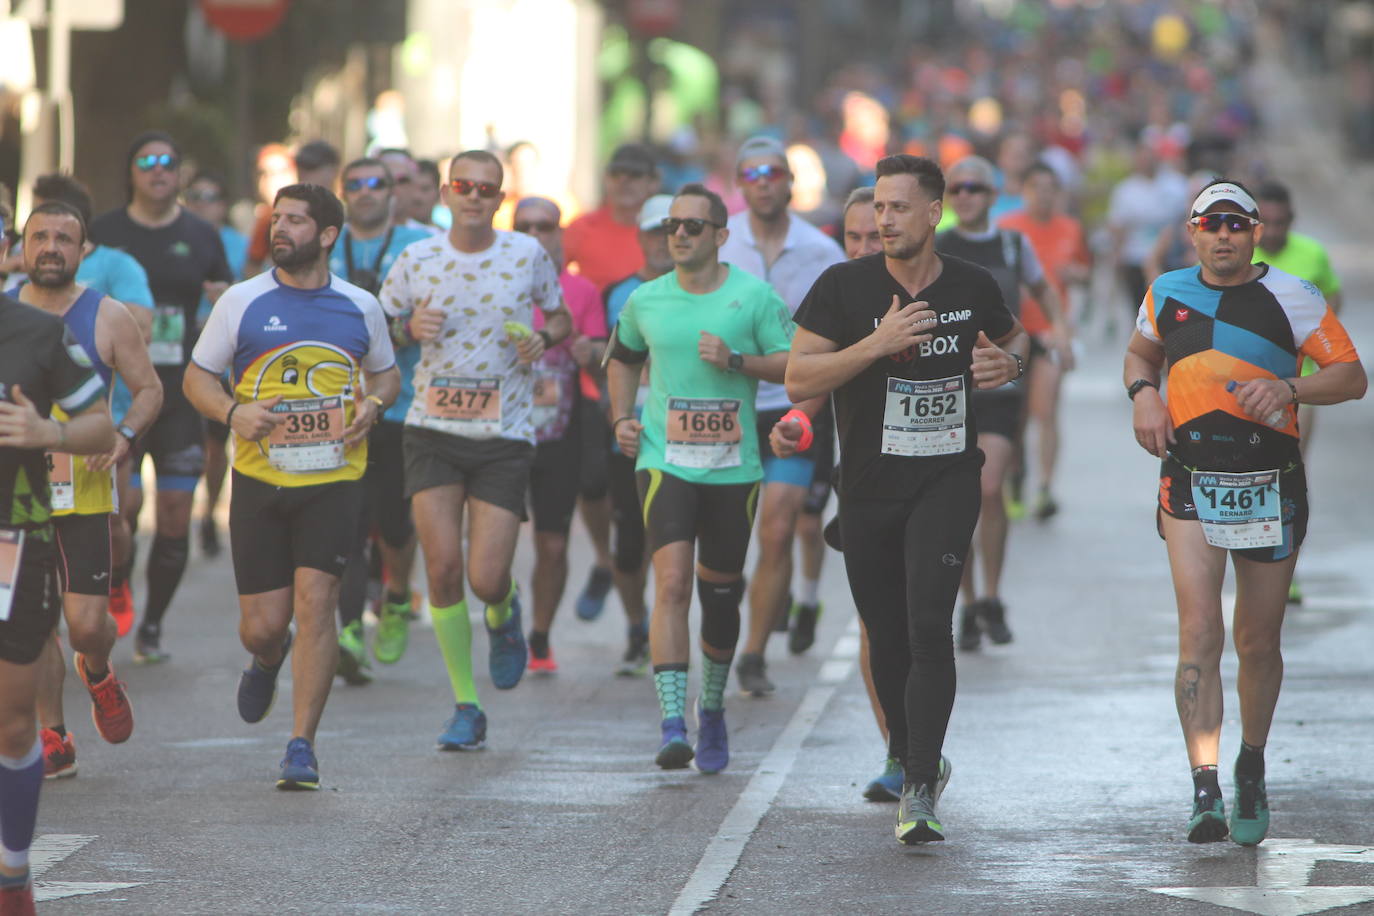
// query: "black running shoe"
[[970, 634], [992, 617], [803, 631]]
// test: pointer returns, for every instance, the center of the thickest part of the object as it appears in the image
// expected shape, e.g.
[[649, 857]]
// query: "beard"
[[286, 254], [52, 274]]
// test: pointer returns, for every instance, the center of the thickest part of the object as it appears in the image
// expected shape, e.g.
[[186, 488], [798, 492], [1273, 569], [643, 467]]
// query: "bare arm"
[[1150, 417], [382, 386], [251, 420], [89, 432], [1058, 316], [817, 365], [129, 357], [622, 383]]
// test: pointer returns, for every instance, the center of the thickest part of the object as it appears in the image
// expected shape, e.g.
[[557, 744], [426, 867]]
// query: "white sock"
[[809, 592]]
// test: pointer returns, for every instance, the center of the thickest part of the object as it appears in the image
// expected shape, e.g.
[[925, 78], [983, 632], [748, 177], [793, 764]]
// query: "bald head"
[[540, 217]]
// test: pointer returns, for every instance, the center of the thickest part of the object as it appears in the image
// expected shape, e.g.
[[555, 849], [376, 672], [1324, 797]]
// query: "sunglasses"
[[155, 160], [204, 197], [968, 187], [764, 173], [1234, 222], [692, 224], [626, 171], [463, 187], [541, 226], [372, 183]]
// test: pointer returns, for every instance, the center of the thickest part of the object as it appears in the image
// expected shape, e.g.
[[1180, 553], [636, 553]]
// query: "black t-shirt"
[[893, 434], [39, 354], [179, 258]]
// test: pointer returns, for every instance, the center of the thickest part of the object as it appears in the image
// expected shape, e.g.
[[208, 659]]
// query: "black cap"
[[635, 157]]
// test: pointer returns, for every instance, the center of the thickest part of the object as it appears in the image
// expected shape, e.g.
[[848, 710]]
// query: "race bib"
[[703, 433], [61, 483], [923, 418], [471, 406], [11, 553], [1239, 511], [169, 335], [310, 436]]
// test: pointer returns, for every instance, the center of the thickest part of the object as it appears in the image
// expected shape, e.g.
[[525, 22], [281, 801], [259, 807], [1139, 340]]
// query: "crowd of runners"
[[377, 389]]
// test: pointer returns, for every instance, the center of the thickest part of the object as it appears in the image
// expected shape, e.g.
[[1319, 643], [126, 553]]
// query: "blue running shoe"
[[1208, 823], [713, 740], [466, 731], [299, 769], [592, 601], [258, 686], [508, 653], [674, 753], [1250, 817], [888, 786]]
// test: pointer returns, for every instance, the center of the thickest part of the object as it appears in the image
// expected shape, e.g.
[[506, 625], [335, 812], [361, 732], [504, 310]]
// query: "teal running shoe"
[[508, 655], [1250, 817], [888, 786], [466, 730], [1208, 823], [592, 601], [299, 769], [674, 753], [713, 741]]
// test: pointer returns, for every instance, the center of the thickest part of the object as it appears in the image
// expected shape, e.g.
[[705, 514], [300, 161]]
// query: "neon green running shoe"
[[1294, 592], [353, 666], [1250, 817], [393, 632], [1208, 823]]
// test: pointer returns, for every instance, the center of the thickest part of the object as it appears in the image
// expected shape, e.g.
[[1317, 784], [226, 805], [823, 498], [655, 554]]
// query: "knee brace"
[[720, 612]]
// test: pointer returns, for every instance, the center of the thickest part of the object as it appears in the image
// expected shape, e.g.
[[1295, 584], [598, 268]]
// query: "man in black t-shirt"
[[184, 259], [901, 339], [41, 364]]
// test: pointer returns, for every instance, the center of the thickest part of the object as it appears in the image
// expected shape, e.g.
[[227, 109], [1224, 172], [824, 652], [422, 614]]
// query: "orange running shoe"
[[122, 608], [544, 665], [110, 709], [17, 899], [59, 755]]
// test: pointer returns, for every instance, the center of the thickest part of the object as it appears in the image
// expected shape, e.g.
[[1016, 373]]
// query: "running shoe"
[[59, 755], [1250, 817], [110, 709], [258, 686], [713, 740], [992, 618], [916, 821], [592, 601], [970, 634], [1294, 592], [299, 768], [466, 730], [209, 537], [1012, 499], [353, 665], [1045, 507], [752, 675], [543, 664], [393, 632], [507, 656], [888, 786], [1208, 823], [942, 774], [635, 661], [148, 645], [122, 609], [17, 899], [802, 634], [674, 753]]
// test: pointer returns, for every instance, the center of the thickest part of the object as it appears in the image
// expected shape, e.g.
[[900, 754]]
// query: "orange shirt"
[[604, 251], [1057, 242]]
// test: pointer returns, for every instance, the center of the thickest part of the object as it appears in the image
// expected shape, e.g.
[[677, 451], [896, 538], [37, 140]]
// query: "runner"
[[554, 474], [1012, 262], [788, 253], [408, 198], [1062, 251], [900, 339], [313, 370], [41, 365], [711, 331], [468, 297], [367, 247], [184, 259], [82, 488], [1232, 477], [631, 570]]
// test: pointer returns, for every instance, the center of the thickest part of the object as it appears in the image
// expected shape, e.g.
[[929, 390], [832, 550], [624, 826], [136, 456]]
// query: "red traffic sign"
[[244, 20]]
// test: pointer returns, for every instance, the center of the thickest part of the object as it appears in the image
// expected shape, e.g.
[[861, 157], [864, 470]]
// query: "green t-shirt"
[[1305, 258], [699, 420]]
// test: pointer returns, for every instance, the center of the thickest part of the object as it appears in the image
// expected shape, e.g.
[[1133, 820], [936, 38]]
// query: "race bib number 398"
[[310, 436], [703, 433], [924, 417], [1239, 511]]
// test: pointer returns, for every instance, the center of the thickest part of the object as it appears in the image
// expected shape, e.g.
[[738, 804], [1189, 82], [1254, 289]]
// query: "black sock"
[[61, 730], [121, 573], [1205, 782], [166, 563], [539, 644], [1250, 763]]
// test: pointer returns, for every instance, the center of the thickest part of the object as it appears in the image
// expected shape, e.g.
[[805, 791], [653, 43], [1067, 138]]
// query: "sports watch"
[[127, 431], [1139, 384], [736, 361]]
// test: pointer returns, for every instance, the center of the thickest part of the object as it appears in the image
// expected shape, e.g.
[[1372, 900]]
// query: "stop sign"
[[244, 20]]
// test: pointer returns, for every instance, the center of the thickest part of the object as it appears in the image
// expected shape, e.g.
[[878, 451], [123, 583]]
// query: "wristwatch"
[[127, 431], [1138, 385], [1020, 366], [736, 361]]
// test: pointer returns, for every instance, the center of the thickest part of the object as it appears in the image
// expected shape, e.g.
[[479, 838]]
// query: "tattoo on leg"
[[1185, 691]]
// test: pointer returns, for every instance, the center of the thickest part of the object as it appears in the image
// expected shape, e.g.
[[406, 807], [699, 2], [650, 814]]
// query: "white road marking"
[[1282, 869], [50, 849], [723, 852]]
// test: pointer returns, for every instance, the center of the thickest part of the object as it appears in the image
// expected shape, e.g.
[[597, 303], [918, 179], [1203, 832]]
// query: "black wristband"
[[618, 422], [1293, 388], [1138, 385], [548, 338], [229, 417]]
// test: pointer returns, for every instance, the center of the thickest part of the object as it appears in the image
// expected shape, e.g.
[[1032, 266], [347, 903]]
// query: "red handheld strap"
[[807, 436]]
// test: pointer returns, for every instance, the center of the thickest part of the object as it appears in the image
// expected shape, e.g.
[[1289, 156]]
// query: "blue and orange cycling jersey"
[[1213, 335]]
